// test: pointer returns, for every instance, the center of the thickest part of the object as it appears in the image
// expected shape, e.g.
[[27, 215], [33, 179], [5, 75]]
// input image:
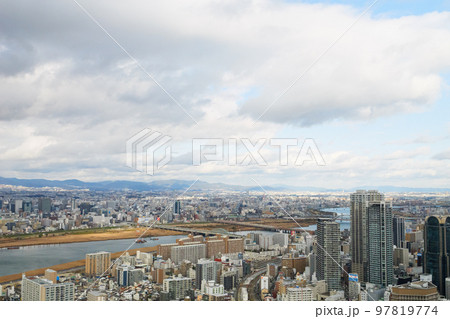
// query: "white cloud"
[[71, 97]]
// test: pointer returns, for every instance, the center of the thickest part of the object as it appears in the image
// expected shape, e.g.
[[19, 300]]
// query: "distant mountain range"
[[172, 185]]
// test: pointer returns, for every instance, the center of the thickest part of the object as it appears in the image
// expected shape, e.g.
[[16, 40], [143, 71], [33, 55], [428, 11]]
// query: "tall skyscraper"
[[44, 205], [328, 255], [177, 207], [380, 252], [437, 250], [398, 224], [371, 237], [27, 206]]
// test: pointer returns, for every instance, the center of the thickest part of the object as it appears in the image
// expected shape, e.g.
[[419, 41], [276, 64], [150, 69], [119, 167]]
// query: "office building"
[[371, 237], [415, 291], [206, 270], [129, 276], [359, 202], [436, 250], [398, 226], [380, 252], [328, 253], [44, 205], [295, 262], [18, 205], [27, 206], [401, 256], [229, 279], [39, 289], [98, 264], [177, 207]]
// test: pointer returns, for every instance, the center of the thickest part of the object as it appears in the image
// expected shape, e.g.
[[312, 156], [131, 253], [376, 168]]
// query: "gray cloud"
[[69, 97]]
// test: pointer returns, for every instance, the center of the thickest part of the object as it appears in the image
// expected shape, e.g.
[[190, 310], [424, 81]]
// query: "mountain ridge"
[[174, 184]]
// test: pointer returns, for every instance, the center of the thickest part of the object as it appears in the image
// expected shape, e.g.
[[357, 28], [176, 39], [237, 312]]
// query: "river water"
[[13, 261], [342, 211]]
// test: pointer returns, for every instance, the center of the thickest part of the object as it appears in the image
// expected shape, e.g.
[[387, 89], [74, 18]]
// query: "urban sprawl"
[[231, 246]]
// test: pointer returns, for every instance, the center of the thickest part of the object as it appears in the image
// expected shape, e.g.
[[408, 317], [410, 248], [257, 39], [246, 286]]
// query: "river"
[[13, 261], [343, 211]]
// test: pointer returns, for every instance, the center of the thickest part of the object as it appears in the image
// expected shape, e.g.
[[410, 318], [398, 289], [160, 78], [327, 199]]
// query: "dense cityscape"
[[292, 151], [225, 245]]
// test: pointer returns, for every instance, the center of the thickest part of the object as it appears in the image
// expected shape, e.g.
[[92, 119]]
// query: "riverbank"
[[64, 238], [121, 233], [68, 266]]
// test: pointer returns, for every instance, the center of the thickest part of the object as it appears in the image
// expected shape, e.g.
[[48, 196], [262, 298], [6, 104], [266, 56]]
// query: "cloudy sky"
[[79, 79]]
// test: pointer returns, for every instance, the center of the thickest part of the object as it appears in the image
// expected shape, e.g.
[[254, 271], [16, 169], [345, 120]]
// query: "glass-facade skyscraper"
[[371, 237], [380, 245], [437, 250], [398, 224]]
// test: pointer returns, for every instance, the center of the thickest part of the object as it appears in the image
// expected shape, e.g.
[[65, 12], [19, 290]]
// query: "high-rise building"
[[371, 237], [437, 250], [398, 225], [39, 289], [18, 205], [328, 255], [128, 275], [354, 287], [51, 275], [191, 252], [401, 256], [177, 207], [177, 287], [44, 205], [380, 252], [229, 279], [359, 202], [206, 270], [447, 288], [98, 263], [281, 239], [27, 206], [215, 247]]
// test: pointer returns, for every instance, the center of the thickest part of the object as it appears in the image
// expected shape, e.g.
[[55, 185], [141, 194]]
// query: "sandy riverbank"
[[78, 238], [120, 233]]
